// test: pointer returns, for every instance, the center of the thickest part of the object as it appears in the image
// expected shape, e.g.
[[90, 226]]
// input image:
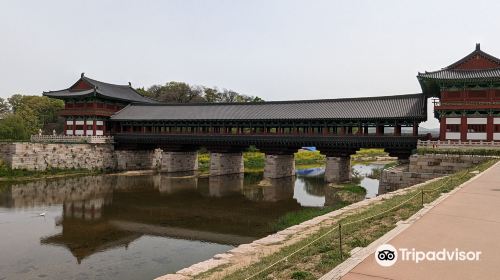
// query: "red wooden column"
[[397, 130], [94, 128], [74, 126], [442, 129], [380, 129], [463, 128], [489, 128], [85, 126], [415, 129], [365, 130]]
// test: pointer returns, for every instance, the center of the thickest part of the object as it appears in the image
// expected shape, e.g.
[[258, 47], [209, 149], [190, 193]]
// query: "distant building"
[[90, 103], [469, 97]]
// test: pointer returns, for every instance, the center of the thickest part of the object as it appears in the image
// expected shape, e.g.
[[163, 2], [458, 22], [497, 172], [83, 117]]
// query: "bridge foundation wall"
[[338, 169], [179, 161], [136, 160], [226, 163], [279, 166]]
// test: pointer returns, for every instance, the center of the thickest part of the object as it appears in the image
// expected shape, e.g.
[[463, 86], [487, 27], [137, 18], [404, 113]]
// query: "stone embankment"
[[424, 167], [42, 156]]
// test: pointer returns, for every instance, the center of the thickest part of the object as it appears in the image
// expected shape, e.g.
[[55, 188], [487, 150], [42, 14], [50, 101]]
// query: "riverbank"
[[7, 174], [318, 238]]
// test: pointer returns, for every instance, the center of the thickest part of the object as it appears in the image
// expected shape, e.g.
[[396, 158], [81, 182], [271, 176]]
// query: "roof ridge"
[[476, 51], [90, 80], [345, 99]]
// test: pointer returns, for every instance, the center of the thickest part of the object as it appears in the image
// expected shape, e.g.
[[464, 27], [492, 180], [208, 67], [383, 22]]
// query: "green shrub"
[[309, 157]]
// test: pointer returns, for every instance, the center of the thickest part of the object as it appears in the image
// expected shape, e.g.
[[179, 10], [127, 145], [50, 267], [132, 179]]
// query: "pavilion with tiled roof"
[[89, 104], [469, 97]]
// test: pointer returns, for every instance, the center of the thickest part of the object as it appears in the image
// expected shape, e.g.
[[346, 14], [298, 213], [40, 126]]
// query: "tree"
[[15, 101], [4, 107], [179, 92], [175, 92], [35, 111], [12, 127]]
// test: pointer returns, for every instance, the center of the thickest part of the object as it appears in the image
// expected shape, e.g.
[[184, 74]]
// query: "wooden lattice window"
[[476, 128]]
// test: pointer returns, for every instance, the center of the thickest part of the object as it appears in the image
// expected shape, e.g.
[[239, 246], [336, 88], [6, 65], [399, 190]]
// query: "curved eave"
[[431, 87], [69, 95], [84, 94]]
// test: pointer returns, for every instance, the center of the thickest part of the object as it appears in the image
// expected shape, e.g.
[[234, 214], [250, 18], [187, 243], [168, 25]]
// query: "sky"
[[277, 50]]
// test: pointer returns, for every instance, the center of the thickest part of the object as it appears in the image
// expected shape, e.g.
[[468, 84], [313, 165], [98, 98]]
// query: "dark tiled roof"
[[476, 52], [465, 75], [454, 73], [118, 92], [388, 107]]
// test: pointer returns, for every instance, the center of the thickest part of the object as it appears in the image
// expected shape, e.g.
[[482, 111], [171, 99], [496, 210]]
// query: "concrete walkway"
[[468, 219]]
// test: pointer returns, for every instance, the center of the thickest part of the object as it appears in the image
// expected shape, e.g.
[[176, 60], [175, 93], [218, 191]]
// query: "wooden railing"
[[71, 139], [457, 144]]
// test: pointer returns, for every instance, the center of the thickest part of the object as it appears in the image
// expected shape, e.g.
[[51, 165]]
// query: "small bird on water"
[[42, 214]]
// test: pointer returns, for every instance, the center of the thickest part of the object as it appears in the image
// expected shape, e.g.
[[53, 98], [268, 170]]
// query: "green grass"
[[302, 215], [354, 188], [325, 254], [8, 174], [302, 275]]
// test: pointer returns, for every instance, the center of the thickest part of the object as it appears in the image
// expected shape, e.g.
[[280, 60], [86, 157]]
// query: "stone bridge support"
[[135, 159], [338, 169], [226, 163], [279, 166], [178, 161]]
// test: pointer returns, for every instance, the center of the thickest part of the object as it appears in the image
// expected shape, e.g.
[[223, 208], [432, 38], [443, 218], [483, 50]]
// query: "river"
[[144, 226]]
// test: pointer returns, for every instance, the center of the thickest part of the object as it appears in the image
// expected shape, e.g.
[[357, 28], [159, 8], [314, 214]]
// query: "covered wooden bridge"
[[337, 127]]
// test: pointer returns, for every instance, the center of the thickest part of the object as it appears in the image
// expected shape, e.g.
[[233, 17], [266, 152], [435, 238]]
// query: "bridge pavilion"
[[469, 97]]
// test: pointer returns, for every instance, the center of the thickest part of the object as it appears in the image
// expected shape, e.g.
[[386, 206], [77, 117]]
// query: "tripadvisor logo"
[[386, 255]]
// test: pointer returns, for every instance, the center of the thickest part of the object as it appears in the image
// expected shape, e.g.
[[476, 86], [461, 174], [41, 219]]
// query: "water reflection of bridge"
[[103, 212]]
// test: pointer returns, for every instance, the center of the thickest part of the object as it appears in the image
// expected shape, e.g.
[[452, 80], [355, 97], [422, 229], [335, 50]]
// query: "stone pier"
[[338, 169], [278, 166], [226, 163], [136, 159], [179, 161]]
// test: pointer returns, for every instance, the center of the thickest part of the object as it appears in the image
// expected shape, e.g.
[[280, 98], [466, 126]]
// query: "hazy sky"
[[278, 50]]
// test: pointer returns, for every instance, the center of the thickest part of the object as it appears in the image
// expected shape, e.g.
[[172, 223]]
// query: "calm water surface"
[[141, 227]]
